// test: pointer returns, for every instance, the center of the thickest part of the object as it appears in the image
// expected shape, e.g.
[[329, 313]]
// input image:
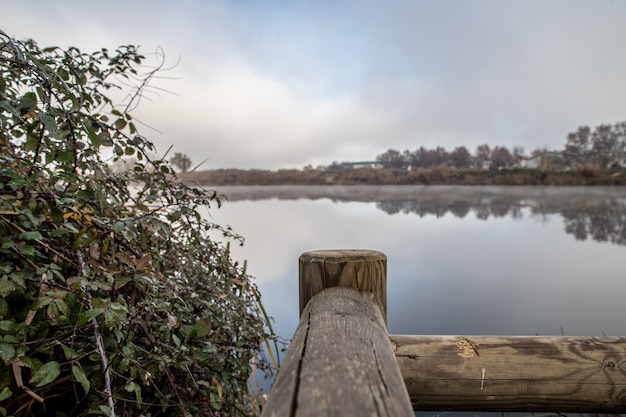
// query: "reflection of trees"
[[483, 208], [597, 213], [605, 222], [600, 219], [422, 208]]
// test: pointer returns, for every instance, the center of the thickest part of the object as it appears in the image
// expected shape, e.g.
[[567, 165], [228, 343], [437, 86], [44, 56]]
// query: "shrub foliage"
[[115, 298]]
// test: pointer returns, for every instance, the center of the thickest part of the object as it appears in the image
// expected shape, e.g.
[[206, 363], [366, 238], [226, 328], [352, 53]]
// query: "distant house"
[[364, 164], [618, 163], [546, 161]]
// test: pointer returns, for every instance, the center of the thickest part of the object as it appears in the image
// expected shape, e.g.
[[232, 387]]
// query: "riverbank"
[[374, 176]]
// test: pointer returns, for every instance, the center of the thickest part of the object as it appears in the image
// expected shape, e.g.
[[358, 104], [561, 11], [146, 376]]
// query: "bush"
[[115, 298]]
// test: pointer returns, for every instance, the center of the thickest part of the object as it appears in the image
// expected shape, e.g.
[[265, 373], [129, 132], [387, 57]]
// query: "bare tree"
[[391, 159], [181, 161], [605, 144], [500, 157], [483, 153], [518, 154], [460, 157], [578, 145]]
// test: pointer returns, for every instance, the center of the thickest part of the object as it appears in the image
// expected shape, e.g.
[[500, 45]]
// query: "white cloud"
[[275, 84]]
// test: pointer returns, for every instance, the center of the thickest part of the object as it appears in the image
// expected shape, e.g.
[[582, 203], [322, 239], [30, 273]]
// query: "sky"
[[274, 84]]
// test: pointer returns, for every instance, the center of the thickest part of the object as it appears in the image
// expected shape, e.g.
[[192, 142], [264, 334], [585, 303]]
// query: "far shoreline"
[[385, 176]]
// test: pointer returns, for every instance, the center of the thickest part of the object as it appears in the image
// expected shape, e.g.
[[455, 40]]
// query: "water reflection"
[[597, 213], [471, 260]]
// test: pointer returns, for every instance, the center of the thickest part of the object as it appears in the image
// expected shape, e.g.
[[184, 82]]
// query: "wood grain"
[[340, 362], [566, 374], [364, 270]]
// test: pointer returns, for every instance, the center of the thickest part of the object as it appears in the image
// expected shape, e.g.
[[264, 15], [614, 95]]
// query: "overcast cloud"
[[282, 84]]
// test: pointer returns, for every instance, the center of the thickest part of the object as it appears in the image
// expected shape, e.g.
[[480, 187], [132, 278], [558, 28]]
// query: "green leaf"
[[32, 142], [105, 139], [120, 124], [7, 245], [5, 393], [93, 137], [89, 315], [27, 250], [65, 156], [62, 306], [30, 236], [6, 287], [27, 102], [18, 279], [130, 387], [80, 376], [46, 374], [4, 307], [172, 217], [53, 310], [49, 123], [7, 353], [31, 363], [7, 326], [6, 106], [203, 327], [69, 352]]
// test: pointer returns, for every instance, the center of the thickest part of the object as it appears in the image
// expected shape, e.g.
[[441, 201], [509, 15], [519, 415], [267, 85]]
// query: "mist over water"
[[461, 260]]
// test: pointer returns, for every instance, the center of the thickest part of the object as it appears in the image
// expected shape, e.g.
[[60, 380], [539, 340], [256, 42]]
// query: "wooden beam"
[[488, 373], [340, 362]]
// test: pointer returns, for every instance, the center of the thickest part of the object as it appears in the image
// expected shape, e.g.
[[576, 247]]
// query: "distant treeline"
[[440, 175], [603, 147], [590, 157]]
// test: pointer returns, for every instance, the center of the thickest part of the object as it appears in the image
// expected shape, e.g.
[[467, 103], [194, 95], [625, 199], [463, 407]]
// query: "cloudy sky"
[[281, 84]]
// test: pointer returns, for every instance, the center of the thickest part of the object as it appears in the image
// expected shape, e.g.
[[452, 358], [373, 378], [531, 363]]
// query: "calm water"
[[461, 260]]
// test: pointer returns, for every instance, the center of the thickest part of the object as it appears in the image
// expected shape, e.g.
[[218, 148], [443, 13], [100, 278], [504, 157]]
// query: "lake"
[[461, 260]]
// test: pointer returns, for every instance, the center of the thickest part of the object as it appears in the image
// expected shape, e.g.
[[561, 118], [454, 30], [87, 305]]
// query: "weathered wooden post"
[[340, 361]]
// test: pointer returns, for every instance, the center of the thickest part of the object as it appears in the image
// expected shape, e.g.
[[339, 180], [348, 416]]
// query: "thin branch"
[[99, 343]]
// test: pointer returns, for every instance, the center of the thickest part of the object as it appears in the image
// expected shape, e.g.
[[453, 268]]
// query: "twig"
[[99, 343]]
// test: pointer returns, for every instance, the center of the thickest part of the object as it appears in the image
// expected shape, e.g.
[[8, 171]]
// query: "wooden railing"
[[342, 362]]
